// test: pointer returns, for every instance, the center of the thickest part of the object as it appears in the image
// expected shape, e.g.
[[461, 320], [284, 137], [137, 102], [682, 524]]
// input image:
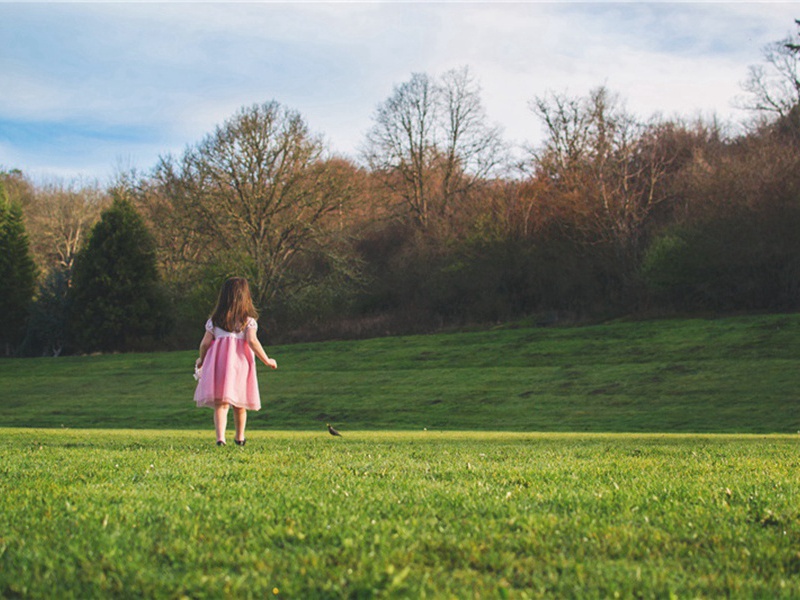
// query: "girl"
[[228, 376]]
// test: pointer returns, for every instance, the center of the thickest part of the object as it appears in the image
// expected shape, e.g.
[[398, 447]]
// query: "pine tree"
[[17, 274], [116, 299]]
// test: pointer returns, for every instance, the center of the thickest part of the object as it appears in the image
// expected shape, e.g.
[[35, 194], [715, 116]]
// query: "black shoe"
[[240, 442], [220, 443]]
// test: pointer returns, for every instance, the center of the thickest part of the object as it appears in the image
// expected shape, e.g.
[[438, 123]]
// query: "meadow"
[[158, 514], [733, 375], [631, 459]]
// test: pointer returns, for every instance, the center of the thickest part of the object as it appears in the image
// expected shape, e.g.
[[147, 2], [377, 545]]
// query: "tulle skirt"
[[228, 375]]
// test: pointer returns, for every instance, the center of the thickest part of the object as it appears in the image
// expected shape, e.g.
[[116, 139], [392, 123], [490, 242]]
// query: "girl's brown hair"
[[234, 305]]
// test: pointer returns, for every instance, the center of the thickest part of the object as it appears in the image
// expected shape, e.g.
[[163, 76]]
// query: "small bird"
[[332, 431]]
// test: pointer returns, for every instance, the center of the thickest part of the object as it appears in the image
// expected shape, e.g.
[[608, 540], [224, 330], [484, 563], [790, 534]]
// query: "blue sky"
[[89, 88]]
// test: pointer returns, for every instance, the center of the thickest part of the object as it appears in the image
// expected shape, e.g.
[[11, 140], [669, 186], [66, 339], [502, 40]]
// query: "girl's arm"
[[205, 344], [258, 349]]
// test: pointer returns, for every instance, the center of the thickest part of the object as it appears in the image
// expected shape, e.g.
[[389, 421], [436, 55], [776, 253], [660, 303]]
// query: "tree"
[[431, 142], [735, 245], [472, 149], [603, 165], [116, 301], [256, 194], [18, 188], [401, 144], [47, 333], [17, 273], [774, 88], [568, 123], [60, 217]]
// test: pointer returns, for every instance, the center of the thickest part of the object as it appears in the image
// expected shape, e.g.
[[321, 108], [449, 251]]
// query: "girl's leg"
[[240, 419], [221, 419]]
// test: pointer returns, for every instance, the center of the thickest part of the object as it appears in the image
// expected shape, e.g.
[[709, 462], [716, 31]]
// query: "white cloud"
[[156, 77]]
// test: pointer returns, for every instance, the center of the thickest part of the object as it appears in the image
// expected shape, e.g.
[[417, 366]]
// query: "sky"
[[93, 88]]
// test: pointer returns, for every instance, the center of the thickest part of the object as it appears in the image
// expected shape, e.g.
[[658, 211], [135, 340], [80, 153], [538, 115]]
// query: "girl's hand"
[[198, 363], [271, 362]]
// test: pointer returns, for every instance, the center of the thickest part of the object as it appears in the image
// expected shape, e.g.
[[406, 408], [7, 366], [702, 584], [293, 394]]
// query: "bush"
[[745, 261]]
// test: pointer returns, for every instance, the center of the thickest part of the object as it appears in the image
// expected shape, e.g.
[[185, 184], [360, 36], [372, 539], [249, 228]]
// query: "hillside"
[[727, 375]]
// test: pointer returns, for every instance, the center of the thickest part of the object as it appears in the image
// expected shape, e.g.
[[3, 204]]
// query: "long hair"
[[234, 305]]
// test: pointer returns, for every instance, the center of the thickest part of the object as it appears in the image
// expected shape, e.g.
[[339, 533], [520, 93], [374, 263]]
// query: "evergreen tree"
[[47, 327], [116, 299], [17, 274]]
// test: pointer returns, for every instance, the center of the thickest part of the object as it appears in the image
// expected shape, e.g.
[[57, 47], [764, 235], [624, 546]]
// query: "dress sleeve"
[[251, 323], [210, 327]]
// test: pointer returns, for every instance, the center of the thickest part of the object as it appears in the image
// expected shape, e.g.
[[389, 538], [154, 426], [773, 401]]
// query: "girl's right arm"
[[205, 344], [258, 349]]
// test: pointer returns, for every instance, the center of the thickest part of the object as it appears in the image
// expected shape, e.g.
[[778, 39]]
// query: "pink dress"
[[229, 370]]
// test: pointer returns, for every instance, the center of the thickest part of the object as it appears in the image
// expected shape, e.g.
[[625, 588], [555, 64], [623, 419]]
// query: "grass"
[[166, 514], [732, 375], [566, 486]]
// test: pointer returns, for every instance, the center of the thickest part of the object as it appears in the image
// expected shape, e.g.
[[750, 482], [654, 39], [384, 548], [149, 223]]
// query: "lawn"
[[161, 514]]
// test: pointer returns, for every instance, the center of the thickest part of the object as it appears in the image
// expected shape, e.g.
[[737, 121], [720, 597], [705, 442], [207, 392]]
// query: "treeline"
[[437, 224]]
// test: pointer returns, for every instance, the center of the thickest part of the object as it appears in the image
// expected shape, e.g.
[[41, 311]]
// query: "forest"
[[437, 223]]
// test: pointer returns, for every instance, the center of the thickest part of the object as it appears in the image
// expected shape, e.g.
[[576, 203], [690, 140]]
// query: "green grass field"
[[633, 460], [134, 513], [735, 375]]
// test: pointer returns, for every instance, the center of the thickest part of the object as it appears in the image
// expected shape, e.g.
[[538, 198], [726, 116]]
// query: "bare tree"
[[60, 215], [603, 164], [257, 189], [401, 144], [567, 121], [775, 86], [431, 142], [473, 149]]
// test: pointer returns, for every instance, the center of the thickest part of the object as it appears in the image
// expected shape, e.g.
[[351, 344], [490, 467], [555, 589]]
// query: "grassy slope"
[[726, 375]]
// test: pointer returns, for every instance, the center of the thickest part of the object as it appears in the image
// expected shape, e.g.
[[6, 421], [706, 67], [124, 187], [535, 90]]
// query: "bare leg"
[[221, 419], [240, 419]]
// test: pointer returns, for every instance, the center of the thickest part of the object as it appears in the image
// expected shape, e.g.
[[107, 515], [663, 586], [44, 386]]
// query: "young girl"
[[228, 375]]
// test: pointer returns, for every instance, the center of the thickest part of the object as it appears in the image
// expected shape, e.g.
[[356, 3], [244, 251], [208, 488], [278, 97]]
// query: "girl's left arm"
[[258, 349]]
